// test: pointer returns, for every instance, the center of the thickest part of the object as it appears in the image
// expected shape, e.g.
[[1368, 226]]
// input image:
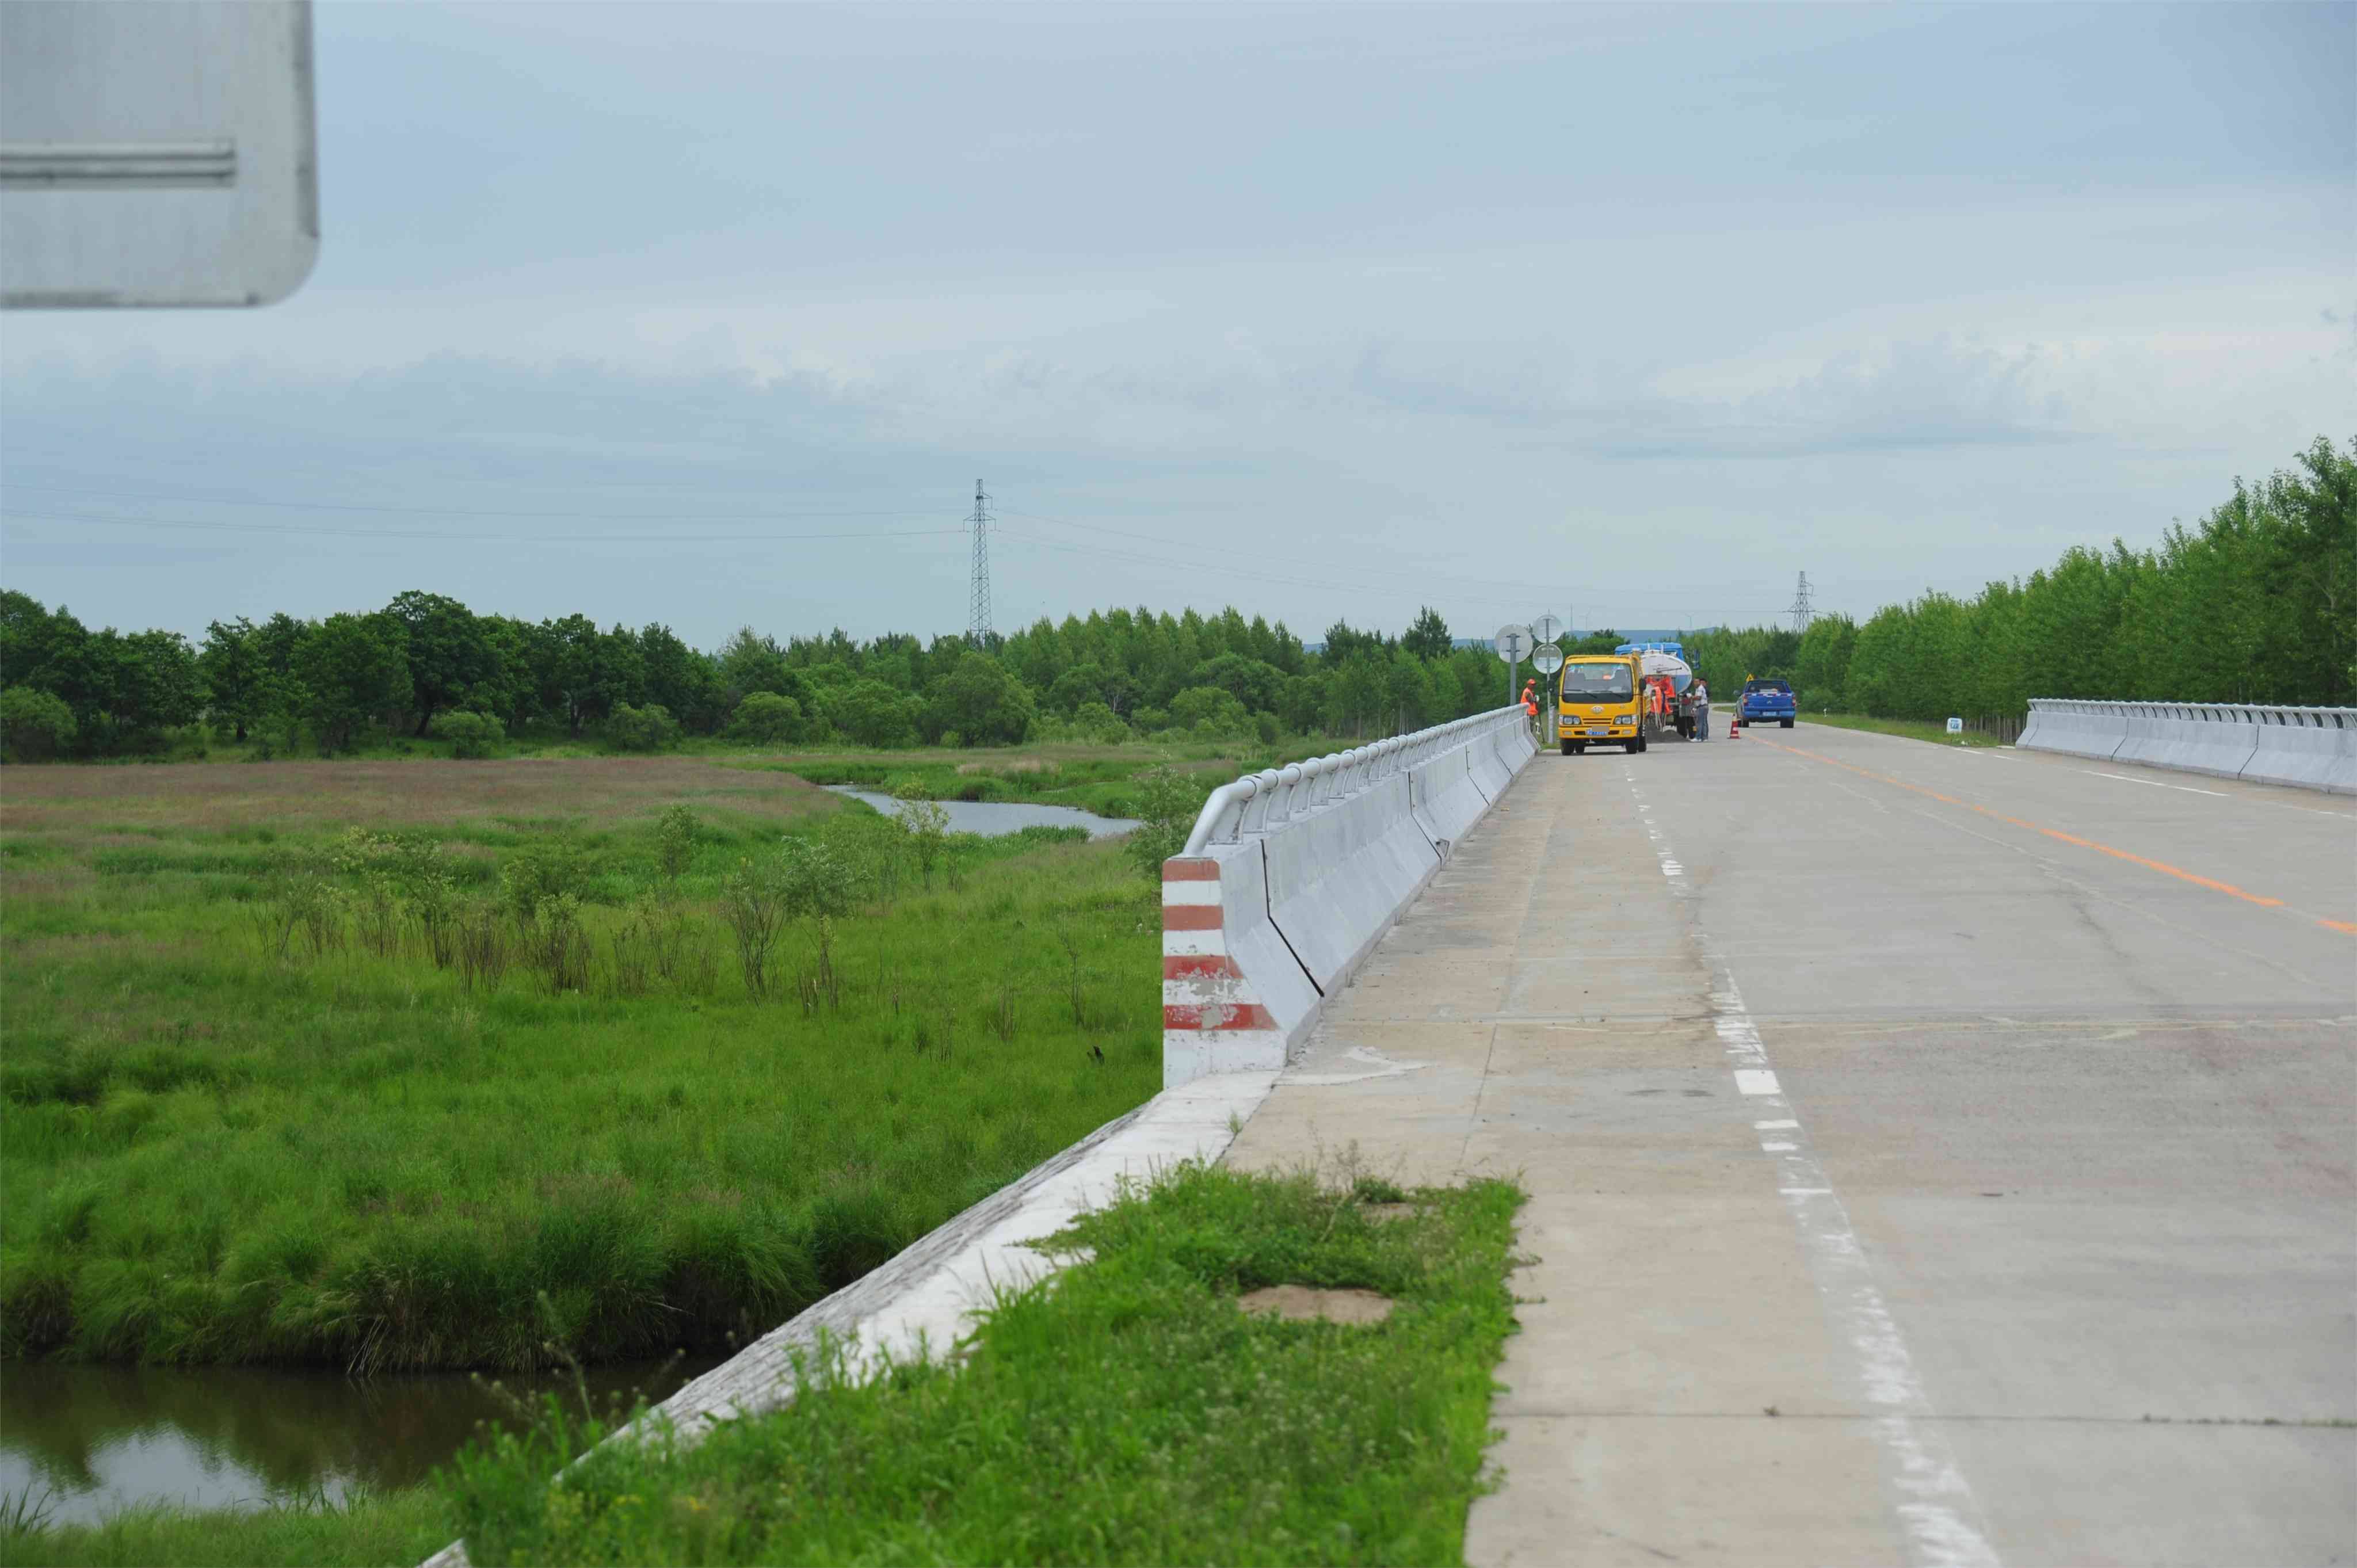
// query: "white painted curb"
[[924, 1301]]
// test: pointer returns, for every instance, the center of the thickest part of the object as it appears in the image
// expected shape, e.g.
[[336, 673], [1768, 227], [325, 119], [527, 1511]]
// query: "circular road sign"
[[1513, 643], [1545, 629], [1547, 657]]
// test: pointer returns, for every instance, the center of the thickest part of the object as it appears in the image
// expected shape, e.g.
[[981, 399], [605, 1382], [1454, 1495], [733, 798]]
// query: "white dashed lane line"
[[1935, 1508]]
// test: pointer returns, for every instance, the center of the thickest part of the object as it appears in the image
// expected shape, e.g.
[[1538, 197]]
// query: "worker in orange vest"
[[1530, 698]]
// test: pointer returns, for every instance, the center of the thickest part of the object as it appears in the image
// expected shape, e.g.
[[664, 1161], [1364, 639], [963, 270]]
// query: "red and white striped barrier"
[[1232, 994], [1291, 876]]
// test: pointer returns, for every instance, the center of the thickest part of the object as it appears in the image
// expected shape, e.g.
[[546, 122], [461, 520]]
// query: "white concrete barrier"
[[1449, 799], [2191, 738], [2311, 748], [2075, 727], [1339, 845], [2315, 749], [1336, 877]]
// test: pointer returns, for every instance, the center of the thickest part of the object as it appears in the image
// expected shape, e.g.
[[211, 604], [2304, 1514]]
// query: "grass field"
[[1912, 729], [497, 1089], [1126, 1413]]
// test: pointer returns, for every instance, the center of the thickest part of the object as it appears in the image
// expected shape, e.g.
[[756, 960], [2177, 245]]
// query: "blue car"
[[1769, 701]]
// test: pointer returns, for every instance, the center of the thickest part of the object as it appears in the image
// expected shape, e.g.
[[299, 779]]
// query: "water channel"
[[992, 818], [93, 1441]]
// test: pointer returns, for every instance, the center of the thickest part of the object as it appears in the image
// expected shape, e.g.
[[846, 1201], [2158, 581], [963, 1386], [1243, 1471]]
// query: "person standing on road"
[[1701, 709]]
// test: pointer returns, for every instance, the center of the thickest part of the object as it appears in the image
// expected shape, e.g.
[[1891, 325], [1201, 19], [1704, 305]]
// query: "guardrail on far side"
[[1292, 875], [2312, 749]]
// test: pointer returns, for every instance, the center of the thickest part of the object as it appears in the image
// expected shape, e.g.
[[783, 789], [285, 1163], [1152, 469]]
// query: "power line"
[[463, 510], [503, 538]]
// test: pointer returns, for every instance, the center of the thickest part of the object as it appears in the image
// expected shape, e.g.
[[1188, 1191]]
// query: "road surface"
[[1935, 1155]]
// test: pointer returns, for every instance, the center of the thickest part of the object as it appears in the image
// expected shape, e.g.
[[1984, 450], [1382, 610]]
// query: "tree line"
[[427, 667], [2257, 602]]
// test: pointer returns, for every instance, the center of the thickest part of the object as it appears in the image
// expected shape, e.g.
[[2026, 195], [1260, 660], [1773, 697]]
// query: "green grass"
[[395, 1531], [212, 1151], [1124, 1413], [1911, 729], [1094, 778]]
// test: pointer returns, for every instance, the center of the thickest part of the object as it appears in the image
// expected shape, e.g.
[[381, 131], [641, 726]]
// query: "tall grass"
[[1127, 1412], [264, 1106]]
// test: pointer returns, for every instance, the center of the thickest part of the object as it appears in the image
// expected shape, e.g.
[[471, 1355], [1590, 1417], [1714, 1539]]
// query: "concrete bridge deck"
[[1934, 1157]]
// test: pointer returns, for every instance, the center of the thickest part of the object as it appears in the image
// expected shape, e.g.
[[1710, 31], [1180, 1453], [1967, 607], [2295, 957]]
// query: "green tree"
[[451, 657], [34, 726], [1428, 639], [231, 664], [981, 702], [352, 669]]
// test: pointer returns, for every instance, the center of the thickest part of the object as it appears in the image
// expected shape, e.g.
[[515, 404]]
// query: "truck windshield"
[[1596, 684]]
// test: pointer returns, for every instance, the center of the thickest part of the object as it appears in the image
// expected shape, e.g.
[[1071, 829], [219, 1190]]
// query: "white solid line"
[[1756, 1080], [2154, 783], [1784, 1126], [1768, 1148]]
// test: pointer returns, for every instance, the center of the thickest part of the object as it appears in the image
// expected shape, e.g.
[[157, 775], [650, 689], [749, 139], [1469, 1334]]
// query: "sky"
[[713, 314]]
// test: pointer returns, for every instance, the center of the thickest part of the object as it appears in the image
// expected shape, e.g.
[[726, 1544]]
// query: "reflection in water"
[[100, 1439], [993, 818]]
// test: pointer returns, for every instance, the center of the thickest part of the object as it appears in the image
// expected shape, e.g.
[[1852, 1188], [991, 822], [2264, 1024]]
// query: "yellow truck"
[[1601, 703]]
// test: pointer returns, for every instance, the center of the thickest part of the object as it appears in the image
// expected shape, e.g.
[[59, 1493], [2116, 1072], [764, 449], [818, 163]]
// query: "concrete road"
[[1934, 1157]]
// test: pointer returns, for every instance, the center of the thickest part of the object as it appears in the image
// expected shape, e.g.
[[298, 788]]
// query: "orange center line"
[[2160, 865]]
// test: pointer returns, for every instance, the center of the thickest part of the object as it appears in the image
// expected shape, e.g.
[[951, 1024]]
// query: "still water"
[[992, 818], [97, 1440]]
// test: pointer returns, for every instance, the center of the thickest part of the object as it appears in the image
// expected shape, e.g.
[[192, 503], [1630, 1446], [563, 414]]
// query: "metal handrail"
[[1264, 801], [2285, 714]]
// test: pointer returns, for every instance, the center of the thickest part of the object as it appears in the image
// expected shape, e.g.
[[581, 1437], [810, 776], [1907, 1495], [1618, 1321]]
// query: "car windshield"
[[1767, 686], [1596, 684]]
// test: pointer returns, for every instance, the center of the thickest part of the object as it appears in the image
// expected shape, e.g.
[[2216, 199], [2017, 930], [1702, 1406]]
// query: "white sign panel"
[[1547, 657], [1956, 725], [1513, 643], [1545, 629], [156, 153]]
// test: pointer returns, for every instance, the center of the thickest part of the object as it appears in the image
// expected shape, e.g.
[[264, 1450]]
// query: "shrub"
[[651, 728], [1099, 722], [34, 726], [926, 823], [675, 842], [766, 717], [1210, 713], [1167, 804], [471, 735], [548, 868]]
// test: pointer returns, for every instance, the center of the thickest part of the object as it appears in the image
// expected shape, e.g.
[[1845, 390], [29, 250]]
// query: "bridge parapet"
[[1291, 876], [2313, 748]]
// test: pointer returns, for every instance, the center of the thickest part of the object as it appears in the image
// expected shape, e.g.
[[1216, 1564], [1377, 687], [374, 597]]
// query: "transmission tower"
[[978, 630], [1801, 613]]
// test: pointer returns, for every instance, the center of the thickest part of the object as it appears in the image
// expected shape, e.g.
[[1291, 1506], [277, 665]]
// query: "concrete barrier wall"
[[2315, 749], [2311, 748], [1292, 875]]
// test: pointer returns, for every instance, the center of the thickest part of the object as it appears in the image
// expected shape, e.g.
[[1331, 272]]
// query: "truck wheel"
[[1788, 723], [1569, 749], [1579, 749]]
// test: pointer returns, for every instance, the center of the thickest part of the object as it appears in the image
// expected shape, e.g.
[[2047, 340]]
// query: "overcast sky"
[[712, 315]]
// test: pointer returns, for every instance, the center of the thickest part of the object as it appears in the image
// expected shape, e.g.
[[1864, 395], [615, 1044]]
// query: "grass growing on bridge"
[[1126, 1413], [254, 1110]]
